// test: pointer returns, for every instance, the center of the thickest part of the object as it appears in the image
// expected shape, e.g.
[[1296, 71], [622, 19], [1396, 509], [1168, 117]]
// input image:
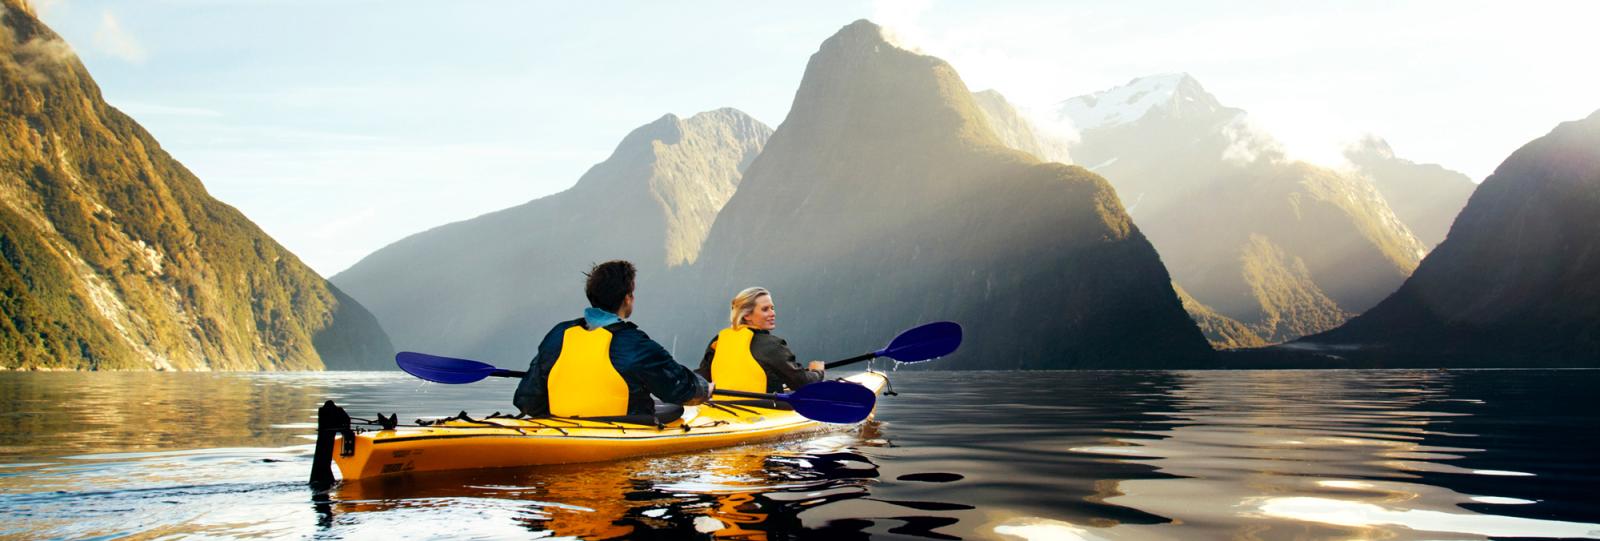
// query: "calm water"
[[1070, 455]]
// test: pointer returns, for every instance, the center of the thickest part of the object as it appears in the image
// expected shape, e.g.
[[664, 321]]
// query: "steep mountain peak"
[[736, 121], [887, 185], [1425, 196], [668, 129], [648, 145], [861, 35], [651, 201], [1172, 94], [859, 81], [23, 5], [1515, 280], [1371, 146]]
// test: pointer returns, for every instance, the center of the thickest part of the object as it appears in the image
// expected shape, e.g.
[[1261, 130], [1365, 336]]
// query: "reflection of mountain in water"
[[976, 455], [1265, 455]]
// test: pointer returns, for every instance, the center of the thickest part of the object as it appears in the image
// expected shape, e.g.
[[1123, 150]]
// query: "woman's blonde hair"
[[743, 304]]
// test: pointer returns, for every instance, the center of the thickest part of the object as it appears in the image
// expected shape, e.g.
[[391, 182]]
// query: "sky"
[[340, 127]]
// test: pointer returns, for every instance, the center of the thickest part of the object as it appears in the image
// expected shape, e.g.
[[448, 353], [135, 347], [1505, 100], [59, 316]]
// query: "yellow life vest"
[[733, 367], [583, 383]]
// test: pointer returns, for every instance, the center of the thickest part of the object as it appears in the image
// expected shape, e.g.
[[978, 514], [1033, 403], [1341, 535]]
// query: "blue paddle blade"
[[925, 342], [442, 369], [833, 401]]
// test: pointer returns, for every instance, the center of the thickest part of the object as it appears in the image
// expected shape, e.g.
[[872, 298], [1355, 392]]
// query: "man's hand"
[[817, 366], [711, 387]]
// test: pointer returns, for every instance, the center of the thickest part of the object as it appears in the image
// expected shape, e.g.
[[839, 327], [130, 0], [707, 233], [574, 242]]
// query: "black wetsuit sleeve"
[[705, 362], [774, 355], [654, 367]]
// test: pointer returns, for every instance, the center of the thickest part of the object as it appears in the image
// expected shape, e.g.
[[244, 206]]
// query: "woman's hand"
[[817, 366]]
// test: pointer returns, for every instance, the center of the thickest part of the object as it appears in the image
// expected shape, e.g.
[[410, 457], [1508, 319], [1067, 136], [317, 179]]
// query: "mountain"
[[885, 200], [117, 258], [489, 287], [1517, 280], [1016, 131], [1223, 332], [1284, 247], [1426, 197]]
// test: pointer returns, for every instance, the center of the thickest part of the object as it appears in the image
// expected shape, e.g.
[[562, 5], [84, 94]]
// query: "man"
[[602, 366]]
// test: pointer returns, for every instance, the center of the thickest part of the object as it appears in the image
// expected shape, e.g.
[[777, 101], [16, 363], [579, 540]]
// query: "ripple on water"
[[1082, 455]]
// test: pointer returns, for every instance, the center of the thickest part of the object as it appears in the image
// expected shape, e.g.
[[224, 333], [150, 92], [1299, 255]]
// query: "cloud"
[[36, 58], [112, 39], [900, 22], [42, 8], [139, 109], [1249, 143]]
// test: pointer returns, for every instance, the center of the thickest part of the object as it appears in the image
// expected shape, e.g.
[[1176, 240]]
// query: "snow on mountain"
[[1175, 94]]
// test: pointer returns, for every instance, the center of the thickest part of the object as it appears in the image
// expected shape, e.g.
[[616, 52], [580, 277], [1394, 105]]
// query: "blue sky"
[[340, 127]]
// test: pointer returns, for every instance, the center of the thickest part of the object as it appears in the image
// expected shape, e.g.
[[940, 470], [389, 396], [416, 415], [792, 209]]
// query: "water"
[[1067, 455]]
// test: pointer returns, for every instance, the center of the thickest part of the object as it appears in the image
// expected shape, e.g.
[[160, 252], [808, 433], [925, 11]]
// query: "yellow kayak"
[[508, 442]]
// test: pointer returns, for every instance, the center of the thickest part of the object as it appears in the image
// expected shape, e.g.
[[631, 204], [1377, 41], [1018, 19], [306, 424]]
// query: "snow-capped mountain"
[[1174, 95], [1287, 248]]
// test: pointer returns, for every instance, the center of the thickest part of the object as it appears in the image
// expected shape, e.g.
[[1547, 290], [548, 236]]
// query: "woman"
[[747, 357]]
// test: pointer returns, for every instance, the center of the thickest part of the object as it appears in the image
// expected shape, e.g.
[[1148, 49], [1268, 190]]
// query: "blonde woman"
[[746, 356]]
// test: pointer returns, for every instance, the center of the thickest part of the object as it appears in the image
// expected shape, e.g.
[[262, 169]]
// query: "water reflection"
[[744, 493], [1266, 454], [54, 414], [1078, 455]]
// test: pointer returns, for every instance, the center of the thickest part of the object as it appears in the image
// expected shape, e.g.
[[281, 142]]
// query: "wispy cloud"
[[44, 8], [139, 109], [116, 41], [36, 58]]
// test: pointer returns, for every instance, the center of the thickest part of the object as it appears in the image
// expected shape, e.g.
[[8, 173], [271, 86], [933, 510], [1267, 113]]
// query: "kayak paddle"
[[448, 369], [917, 344], [826, 401]]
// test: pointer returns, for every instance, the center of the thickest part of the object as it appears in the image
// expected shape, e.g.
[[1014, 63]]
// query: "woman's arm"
[[774, 355]]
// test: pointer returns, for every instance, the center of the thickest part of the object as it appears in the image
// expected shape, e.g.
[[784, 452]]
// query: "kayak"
[[504, 442]]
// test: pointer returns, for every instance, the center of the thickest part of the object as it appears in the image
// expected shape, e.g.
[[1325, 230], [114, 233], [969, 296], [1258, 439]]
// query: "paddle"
[[914, 345], [826, 401]]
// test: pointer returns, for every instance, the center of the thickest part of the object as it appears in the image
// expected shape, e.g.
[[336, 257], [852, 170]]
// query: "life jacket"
[[733, 367], [583, 382]]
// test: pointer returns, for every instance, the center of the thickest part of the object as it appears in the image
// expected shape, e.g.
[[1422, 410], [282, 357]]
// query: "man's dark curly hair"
[[608, 284]]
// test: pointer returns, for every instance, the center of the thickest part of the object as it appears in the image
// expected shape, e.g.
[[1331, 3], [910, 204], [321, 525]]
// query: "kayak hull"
[[506, 443]]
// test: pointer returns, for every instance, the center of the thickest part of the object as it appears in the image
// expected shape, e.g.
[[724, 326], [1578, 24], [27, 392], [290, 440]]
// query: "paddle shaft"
[[853, 360], [502, 373], [747, 394]]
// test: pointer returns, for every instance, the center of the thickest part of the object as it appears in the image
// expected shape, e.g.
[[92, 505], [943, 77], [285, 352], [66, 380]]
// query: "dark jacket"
[[773, 354], [644, 365]]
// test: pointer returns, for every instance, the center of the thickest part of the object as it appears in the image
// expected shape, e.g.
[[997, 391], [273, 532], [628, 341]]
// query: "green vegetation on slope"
[[117, 256]]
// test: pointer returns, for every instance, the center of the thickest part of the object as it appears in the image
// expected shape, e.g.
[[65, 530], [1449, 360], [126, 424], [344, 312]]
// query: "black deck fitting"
[[331, 421]]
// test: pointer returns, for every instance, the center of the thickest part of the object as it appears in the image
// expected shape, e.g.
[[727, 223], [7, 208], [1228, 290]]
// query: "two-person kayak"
[[503, 442]]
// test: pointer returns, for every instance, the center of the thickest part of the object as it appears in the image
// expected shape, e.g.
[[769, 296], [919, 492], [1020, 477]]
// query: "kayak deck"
[[508, 442]]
